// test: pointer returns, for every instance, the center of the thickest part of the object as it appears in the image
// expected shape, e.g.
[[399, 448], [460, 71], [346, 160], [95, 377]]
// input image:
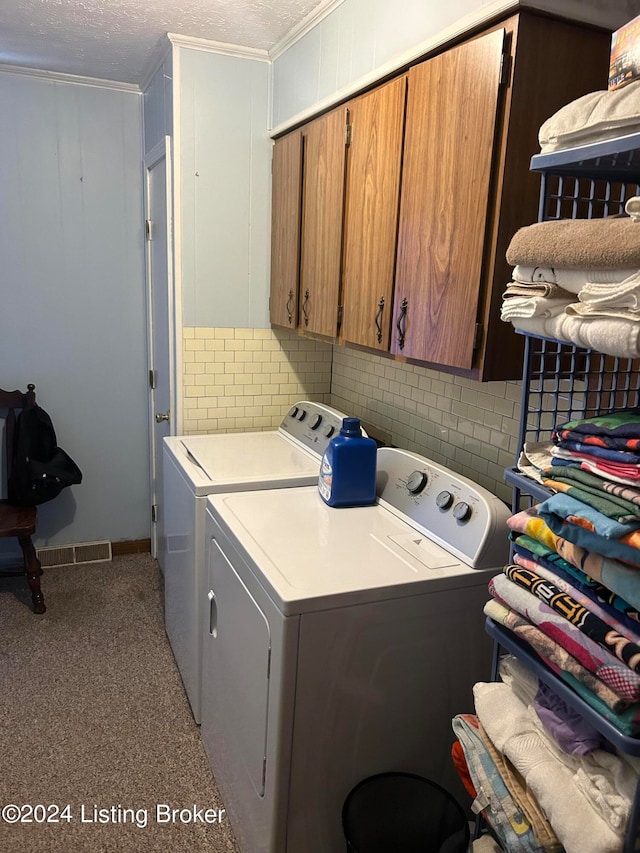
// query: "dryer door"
[[237, 652]]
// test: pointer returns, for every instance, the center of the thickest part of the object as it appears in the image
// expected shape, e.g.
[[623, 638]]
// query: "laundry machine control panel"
[[451, 510], [312, 424]]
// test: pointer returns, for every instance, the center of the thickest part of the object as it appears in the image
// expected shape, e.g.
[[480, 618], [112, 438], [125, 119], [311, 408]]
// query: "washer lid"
[[250, 459], [310, 556]]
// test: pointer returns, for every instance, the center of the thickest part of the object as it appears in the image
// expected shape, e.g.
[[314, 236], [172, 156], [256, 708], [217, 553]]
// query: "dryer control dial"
[[462, 511], [444, 500], [329, 431], [302, 415], [316, 421], [417, 481]]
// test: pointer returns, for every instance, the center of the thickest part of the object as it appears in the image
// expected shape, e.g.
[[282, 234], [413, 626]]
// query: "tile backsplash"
[[468, 426], [245, 379]]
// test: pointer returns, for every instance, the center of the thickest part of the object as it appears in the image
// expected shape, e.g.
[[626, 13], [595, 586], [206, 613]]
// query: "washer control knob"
[[294, 412], [302, 415], [417, 481], [444, 500], [462, 511], [329, 431], [317, 420]]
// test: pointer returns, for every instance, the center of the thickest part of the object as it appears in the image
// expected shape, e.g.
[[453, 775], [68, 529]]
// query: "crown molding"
[[71, 79], [306, 24], [218, 47], [158, 57]]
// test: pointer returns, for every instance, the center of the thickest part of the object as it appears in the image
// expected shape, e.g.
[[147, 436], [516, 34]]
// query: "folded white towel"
[[626, 294], [534, 306], [509, 725], [604, 334], [598, 115], [589, 310], [570, 280]]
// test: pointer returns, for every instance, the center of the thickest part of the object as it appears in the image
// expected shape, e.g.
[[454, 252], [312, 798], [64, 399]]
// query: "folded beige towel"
[[578, 244], [596, 116], [519, 288]]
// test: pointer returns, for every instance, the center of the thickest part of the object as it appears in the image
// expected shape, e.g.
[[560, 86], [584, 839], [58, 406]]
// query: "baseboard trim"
[[131, 546]]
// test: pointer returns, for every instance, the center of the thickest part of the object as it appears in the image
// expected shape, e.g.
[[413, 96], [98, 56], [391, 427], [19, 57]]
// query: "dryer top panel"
[[309, 556]]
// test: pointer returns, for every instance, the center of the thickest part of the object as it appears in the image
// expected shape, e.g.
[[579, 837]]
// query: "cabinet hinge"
[[147, 229], [348, 133], [340, 315], [477, 337], [154, 513], [505, 69], [152, 379]]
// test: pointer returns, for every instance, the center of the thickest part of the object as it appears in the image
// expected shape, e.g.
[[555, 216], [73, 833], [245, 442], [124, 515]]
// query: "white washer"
[[200, 465], [341, 642]]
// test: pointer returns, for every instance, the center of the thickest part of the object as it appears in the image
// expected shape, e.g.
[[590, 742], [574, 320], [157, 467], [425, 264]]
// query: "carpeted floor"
[[93, 715]]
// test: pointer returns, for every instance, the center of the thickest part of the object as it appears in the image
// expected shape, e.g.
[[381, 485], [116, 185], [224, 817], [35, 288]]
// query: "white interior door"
[[162, 326]]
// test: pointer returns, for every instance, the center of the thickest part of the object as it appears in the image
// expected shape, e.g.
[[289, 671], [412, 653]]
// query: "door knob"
[[161, 417]]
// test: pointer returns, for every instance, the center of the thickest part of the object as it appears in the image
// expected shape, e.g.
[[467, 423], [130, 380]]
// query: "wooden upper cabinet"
[[285, 229], [322, 213], [374, 158], [449, 141]]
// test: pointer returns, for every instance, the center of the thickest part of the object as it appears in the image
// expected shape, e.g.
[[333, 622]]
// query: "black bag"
[[40, 469]]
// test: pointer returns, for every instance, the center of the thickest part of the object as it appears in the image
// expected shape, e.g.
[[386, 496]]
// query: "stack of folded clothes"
[[542, 777], [572, 595], [578, 280]]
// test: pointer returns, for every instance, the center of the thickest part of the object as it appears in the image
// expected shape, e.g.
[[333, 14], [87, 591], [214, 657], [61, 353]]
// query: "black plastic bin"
[[403, 813]]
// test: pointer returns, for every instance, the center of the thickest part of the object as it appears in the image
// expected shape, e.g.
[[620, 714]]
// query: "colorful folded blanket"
[[622, 680], [615, 576], [619, 430], [580, 592], [562, 479], [577, 614], [560, 661], [573, 474], [503, 814]]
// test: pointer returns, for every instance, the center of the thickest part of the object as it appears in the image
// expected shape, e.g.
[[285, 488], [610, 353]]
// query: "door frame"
[[174, 313]]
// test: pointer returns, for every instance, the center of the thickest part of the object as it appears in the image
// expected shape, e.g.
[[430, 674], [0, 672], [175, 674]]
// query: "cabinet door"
[[452, 108], [371, 213], [285, 229], [322, 213]]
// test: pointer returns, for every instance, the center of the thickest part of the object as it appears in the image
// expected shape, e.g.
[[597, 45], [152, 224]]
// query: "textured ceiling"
[[118, 39]]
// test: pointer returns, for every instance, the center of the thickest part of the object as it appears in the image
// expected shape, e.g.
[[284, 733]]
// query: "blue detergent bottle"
[[348, 468]]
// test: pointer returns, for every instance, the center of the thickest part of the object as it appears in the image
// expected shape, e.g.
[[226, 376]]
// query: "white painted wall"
[[360, 40], [73, 293], [158, 105], [224, 175]]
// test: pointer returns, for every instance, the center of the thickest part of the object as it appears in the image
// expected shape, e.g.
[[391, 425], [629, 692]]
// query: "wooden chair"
[[19, 522]]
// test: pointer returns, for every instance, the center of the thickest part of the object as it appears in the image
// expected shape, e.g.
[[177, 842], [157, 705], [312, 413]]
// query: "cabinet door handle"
[[289, 305], [401, 325], [305, 307], [379, 319]]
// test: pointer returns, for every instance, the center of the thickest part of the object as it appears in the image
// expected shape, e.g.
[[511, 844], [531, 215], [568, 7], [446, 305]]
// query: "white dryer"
[[341, 642], [199, 465]]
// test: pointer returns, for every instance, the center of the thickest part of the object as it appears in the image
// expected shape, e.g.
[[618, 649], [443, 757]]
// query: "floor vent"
[[86, 552]]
